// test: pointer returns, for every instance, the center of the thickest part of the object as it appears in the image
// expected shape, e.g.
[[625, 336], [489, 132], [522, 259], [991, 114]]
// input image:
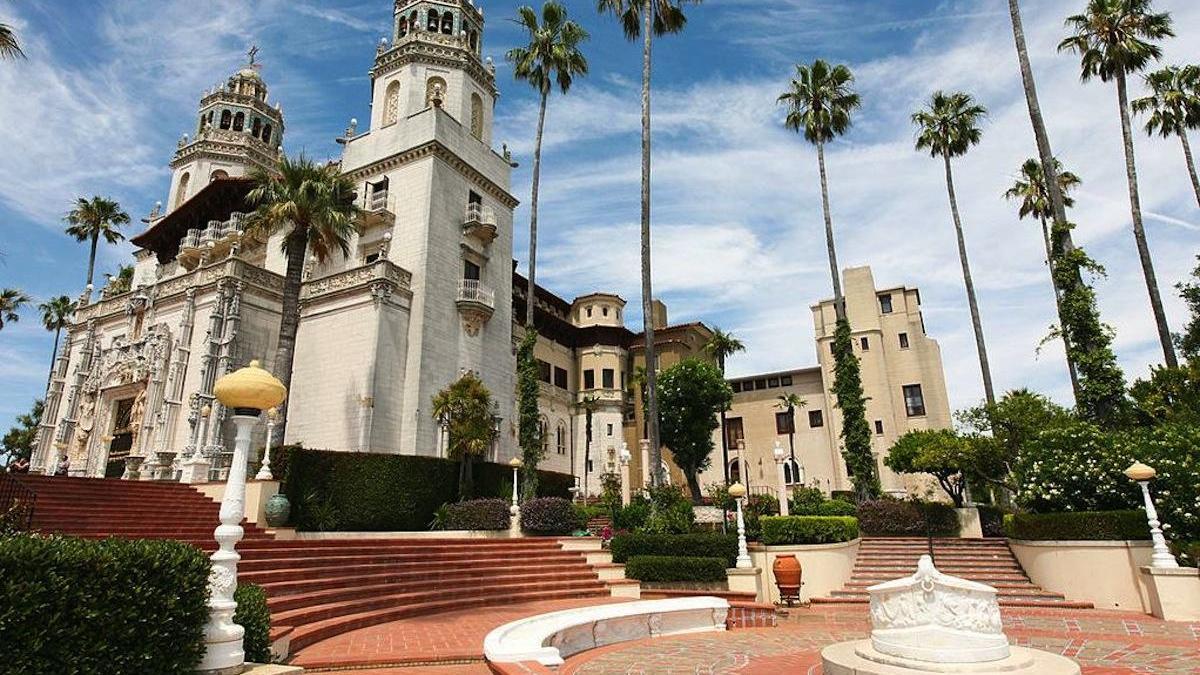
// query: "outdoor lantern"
[[1161, 556], [250, 388]]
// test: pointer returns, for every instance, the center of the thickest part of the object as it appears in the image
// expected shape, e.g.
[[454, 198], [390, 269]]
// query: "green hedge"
[[549, 516], [895, 518], [478, 514], [253, 615], [1078, 526], [88, 607], [696, 545], [674, 568], [349, 491], [778, 530]]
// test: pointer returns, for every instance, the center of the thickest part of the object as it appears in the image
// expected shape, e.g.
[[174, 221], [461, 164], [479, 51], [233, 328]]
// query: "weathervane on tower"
[[252, 55]]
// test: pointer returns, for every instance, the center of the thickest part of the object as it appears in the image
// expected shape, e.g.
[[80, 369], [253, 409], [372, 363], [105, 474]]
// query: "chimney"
[[658, 314]]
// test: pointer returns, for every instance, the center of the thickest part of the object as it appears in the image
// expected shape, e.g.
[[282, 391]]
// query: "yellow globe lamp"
[[737, 490], [250, 389], [515, 462], [1140, 472]]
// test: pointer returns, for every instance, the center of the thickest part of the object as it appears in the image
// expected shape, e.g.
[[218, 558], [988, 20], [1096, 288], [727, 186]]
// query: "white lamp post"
[[515, 463], [247, 393], [626, 488], [781, 457], [1161, 557], [264, 471], [738, 491]]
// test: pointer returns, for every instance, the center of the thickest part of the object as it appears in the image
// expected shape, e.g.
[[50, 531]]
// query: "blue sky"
[[110, 85]]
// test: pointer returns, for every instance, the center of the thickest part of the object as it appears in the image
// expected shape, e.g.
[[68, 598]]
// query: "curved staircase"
[[988, 561]]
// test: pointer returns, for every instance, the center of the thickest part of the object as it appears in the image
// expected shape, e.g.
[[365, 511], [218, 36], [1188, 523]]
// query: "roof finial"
[[252, 54]]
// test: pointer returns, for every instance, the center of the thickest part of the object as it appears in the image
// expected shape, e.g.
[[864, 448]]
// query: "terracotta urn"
[[787, 577]]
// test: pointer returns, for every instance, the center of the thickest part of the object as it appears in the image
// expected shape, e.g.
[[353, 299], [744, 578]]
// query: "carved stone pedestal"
[[133, 468], [861, 658], [195, 471]]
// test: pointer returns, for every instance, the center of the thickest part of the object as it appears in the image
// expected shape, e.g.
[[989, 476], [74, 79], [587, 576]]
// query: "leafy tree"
[[648, 19], [1000, 432], [529, 427], [313, 207], [1189, 340], [940, 453], [693, 393], [121, 282], [721, 346], [1113, 39], [1170, 395], [12, 301], [10, 48], [466, 410], [56, 315], [1031, 189], [1174, 107], [95, 219], [947, 127], [789, 403], [20, 439], [819, 101]]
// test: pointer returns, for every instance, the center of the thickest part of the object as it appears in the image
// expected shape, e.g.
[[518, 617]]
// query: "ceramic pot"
[[787, 577], [278, 510]]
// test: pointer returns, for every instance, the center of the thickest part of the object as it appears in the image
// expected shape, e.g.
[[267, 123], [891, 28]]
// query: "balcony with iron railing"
[[480, 223], [472, 291]]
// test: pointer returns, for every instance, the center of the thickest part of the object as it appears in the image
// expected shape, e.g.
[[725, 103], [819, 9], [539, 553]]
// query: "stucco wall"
[[825, 567], [1101, 572]]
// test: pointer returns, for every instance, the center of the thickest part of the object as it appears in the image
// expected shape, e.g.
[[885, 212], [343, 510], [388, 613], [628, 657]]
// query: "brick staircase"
[[987, 561], [320, 588]]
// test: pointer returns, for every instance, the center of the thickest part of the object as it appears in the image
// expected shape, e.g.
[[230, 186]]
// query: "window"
[[560, 378], [474, 197], [610, 429], [815, 419], [543, 371], [865, 344], [402, 27], [477, 116], [735, 471], [239, 121], [773, 382], [391, 106], [879, 427], [371, 258], [182, 190], [904, 341], [219, 174], [447, 23], [785, 381], [914, 401], [589, 379], [561, 439], [432, 25], [885, 303], [226, 119], [589, 312], [604, 310], [733, 431], [470, 270], [760, 384], [256, 128], [736, 387], [792, 473], [608, 378], [783, 423], [266, 135]]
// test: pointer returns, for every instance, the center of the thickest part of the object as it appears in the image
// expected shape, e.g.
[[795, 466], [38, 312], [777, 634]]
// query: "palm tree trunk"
[[1139, 232], [285, 352], [1058, 306], [53, 358], [724, 440], [92, 259], [531, 295], [1191, 164], [839, 305], [656, 477], [980, 346]]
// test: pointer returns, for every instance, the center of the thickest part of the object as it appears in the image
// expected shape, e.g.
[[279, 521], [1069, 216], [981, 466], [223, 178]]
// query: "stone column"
[[645, 447], [781, 457]]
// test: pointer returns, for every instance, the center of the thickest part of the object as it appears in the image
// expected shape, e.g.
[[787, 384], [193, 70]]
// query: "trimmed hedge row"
[[778, 530], [675, 568], [696, 545], [478, 514], [549, 515], [1077, 526], [895, 518], [72, 605], [345, 491], [253, 615]]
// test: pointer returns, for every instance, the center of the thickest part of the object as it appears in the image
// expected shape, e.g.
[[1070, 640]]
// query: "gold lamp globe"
[[1140, 472], [250, 388], [737, 490], [515, 462]]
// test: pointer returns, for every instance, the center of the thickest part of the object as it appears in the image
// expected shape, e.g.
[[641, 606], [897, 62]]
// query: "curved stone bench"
[[549, 638]]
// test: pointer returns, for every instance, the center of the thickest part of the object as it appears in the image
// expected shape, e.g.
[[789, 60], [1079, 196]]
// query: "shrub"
[[478, 514], [805, 501], [253, 615], [678, 518], [808, 529], [1078, 526], [695, 545], [374, 492], [632, 517], [675, 568], [549, 515], [1187, 552], [837, 507], [991, 521], [114, 606], [895, 518]]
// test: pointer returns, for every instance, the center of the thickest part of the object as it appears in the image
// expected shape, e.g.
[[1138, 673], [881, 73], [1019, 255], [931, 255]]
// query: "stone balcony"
[[375, 210], [476, 304], [211, 242], [479, 222]]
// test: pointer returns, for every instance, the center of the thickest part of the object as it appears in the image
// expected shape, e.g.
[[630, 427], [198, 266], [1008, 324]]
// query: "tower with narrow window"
[[237, 130]]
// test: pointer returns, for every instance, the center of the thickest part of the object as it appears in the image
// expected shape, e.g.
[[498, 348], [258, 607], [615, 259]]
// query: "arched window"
[[448, 23], [239, 121], [266, 135], [226, 119], [256, 130], [203, 119], [402, 27], [561, 438], [735, 471], [545, 428], [792, 473], [413, 24], [432, 85], [218, 175], [182, 190], [473, 40], [431, 23], [391, 107], [477, 116]]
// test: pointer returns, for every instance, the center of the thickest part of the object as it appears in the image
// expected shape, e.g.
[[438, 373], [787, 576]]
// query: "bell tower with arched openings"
[[237, 130]]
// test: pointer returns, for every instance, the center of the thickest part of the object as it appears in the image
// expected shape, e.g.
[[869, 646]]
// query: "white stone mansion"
[[429, 291]]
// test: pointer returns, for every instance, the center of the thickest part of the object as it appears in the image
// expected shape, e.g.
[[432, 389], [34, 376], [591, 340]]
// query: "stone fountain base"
[[859, 657]]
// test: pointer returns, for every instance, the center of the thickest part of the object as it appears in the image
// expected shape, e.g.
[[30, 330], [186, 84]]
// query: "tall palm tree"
[[56, 315], [947, 127], [467, 411], [1174, 107], [648, 19], [551, 57], [1031, 189], [720, 346], [12, 301], [92, 219], [1113, 39], [9, 47], [313, 207], [789, 403]]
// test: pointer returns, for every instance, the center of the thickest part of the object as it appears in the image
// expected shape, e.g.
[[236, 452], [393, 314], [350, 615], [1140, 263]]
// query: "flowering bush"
[[1081, 468]]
